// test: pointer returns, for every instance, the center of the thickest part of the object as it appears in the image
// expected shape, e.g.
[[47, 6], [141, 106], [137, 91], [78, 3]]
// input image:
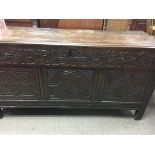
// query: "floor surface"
[[53, 121]]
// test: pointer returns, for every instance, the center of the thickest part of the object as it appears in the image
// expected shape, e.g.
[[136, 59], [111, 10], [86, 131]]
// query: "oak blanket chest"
[[76, 69]]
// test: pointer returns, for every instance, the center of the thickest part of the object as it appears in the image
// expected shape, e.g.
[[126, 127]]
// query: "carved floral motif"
[[76, 56]]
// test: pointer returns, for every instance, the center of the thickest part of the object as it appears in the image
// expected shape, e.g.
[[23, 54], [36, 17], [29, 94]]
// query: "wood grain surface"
[[76, 37]]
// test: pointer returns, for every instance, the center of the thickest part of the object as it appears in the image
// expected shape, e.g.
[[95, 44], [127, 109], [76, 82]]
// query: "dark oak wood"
[[76, 69], [1, 113], [139, 113]]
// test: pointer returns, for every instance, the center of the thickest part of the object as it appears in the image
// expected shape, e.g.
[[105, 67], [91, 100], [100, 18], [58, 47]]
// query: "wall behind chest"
[[92, 24]]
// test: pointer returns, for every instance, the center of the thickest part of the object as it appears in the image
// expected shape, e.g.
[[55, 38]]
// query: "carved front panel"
[[74, 56], [122, 57], [37, 55], [77, 56], [90, 56], [70, 84], [11, 54], [103, 57], [18, 84], [125, 86]]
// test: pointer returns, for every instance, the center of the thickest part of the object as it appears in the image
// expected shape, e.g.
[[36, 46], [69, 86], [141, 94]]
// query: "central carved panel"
[[70, 84]]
